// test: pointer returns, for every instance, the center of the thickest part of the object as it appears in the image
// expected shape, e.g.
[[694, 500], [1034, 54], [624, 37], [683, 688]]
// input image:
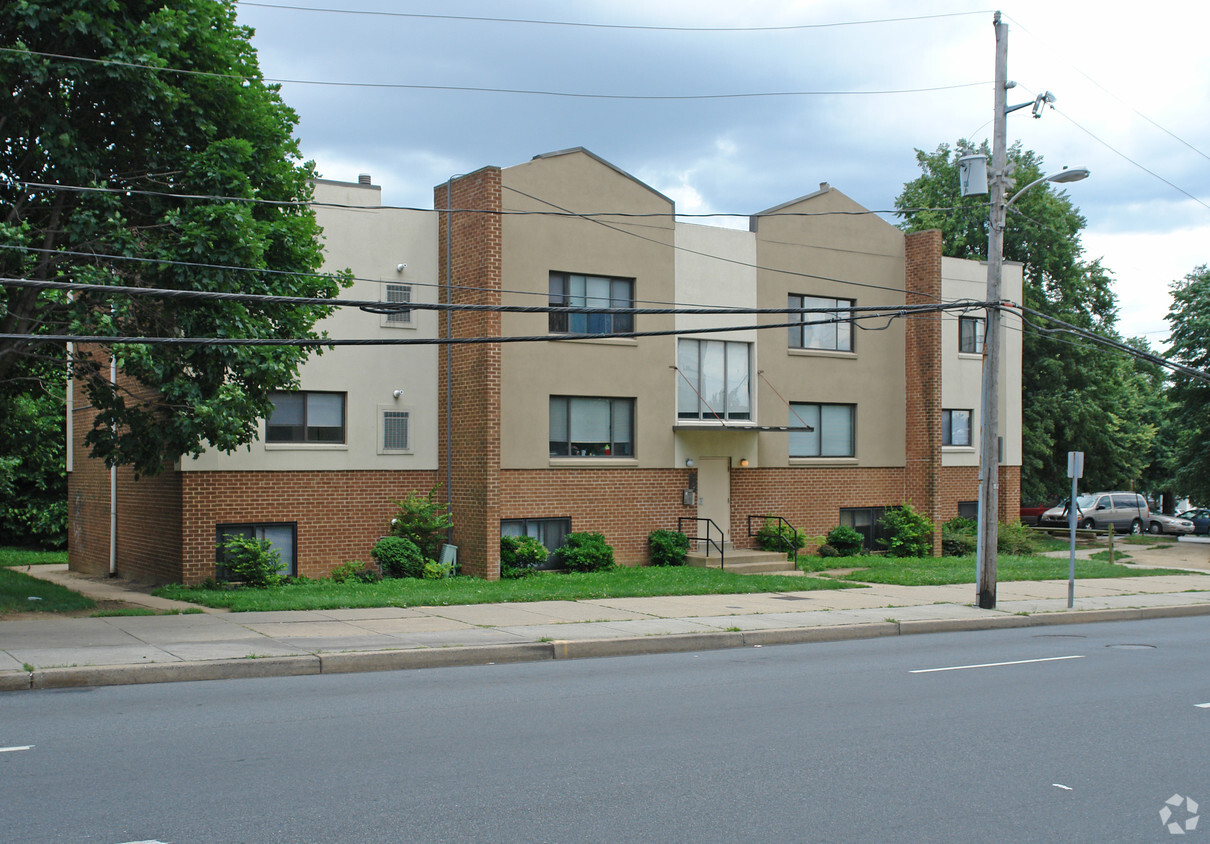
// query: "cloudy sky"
[[1133, 93]]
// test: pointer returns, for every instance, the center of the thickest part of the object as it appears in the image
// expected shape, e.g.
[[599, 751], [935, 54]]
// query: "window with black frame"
[[715, 380], [829, 330], [591, 426], [970, 335], [306, 416], [552, 533], [281, 536], [590, 291]]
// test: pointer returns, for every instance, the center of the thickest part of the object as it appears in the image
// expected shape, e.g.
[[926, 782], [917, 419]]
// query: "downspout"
[[113, 479], [449, 357]]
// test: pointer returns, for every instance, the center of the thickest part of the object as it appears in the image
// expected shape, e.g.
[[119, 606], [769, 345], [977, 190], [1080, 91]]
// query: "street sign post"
[[1075, 471]]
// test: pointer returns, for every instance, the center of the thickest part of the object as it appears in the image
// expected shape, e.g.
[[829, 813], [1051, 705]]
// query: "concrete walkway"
[[54, 652]]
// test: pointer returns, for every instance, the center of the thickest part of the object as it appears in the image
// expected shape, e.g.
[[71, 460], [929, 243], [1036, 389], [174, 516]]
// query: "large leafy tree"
[[1189, 344], [140, 146], [1076, 395]]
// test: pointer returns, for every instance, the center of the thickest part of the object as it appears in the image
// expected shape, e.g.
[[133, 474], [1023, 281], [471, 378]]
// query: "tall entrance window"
[[715, 379]]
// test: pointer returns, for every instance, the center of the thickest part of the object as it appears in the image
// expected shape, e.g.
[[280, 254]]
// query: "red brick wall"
[[811, 498], [922, 374], [148, 510], [623, 504], [470, 247], [339, 515]]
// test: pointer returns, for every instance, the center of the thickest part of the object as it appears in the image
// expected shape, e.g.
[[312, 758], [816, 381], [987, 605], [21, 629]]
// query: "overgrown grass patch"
[[621, 582], [939, 571], [17, 589], [30, 557]]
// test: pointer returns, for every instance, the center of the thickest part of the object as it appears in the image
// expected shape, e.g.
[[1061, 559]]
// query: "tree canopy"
[[1076, 395], [1189, 344], [141, 147]]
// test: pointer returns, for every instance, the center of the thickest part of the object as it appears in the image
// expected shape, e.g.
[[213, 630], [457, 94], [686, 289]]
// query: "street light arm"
[[1073, 174]]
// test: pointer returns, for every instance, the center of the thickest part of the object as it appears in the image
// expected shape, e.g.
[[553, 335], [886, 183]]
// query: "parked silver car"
[[1126, 511], [1175, 525]]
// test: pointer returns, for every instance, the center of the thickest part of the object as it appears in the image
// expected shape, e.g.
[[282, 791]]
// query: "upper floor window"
[[306, 417], [955, 427], [833, 430], [399, 294], [715, 380], [971, 331], [590, 291], [589, 426], [830, 331]]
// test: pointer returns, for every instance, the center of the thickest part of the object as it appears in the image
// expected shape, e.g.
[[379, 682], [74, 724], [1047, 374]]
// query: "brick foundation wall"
[[623, 504], [470, 251], [811, 498], [338, 515], [922, 374]]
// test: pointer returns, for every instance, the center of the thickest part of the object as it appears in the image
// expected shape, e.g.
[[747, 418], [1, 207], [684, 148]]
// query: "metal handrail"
[[722, 556], [780, 535]]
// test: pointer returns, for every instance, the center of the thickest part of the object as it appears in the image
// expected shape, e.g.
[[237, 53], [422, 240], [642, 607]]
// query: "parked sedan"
[[1175, 525], [1200, 519]]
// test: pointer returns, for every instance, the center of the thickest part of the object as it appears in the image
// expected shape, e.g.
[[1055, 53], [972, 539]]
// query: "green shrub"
[[778, 536], [423, 520], [521, 556], [437, 571], [958, 537], [356, 571], [827, 550], [911, 533], [668, 547], [253, 561], [586, 552], [1016, 538], [398, 557], [845, 540]]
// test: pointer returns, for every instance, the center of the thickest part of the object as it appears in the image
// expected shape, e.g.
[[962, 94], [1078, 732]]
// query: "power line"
[[487, 90], [585, 25]]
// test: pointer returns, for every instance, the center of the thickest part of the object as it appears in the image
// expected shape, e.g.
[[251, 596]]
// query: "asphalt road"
[[1082, 738]]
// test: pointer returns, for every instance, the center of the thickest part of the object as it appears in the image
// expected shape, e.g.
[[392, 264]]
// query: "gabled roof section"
[[614, 167], [825, 190]]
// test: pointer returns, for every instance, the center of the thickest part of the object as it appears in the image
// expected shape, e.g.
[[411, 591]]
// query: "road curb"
[[456, 655], [173, 672]]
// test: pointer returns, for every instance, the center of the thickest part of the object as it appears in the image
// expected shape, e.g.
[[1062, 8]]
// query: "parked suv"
[[1126, 511]]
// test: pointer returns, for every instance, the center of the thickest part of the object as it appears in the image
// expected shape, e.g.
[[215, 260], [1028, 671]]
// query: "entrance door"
[[714, 494]]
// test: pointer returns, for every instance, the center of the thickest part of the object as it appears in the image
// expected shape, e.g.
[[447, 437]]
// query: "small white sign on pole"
[[1075, 471], [1075, 464]]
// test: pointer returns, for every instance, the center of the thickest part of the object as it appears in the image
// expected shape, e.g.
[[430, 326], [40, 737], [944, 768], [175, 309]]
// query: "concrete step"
[[742, 561]]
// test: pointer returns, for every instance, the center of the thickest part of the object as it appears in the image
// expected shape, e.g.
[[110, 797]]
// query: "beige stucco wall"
[[371, 242], [847, 256], [962, 374], [534, 246]]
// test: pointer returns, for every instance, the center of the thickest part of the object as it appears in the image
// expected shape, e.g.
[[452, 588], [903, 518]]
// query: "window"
[[394, 430], [868, 522], [399, 294], [306, 417], [968, 509], [591, 427], [970, 335], [550, 532], [715, 380], [828, 331], [590, 291], [281, 537], [833, 434], [955, 427]]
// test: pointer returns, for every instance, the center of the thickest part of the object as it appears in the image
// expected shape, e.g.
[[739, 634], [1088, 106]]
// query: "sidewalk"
[[216, 644]]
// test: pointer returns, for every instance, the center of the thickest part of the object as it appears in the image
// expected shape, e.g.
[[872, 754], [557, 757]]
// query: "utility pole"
[[989, 439]]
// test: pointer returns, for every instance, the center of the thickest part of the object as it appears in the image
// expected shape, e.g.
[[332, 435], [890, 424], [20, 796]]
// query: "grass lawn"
[[937, 571], [622, 582], [17, 588], [29, 557]]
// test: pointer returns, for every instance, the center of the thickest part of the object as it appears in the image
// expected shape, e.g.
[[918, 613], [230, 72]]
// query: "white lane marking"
[[15, 749], [1202, 705], [993, 664], [1064, 787]]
